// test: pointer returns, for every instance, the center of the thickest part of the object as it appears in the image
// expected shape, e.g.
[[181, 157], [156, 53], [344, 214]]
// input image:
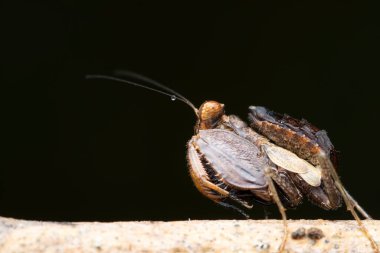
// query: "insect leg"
[[327, 165], [358, 207], [234, 208], [266, 213], [200, 177], [281, 208], [203, 183]]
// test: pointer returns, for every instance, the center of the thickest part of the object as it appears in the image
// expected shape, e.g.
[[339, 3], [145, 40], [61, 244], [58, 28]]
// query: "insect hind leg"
[[326, 164], [358, 207]]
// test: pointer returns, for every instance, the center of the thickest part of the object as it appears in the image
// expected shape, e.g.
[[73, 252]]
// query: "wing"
[[298, 136], [291, 162]]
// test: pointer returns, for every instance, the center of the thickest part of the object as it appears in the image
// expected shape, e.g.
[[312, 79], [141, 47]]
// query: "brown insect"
[[276, 159]]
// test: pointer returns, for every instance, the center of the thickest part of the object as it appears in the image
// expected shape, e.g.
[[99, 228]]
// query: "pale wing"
[[286, 159], [291, 162], [312, 177]]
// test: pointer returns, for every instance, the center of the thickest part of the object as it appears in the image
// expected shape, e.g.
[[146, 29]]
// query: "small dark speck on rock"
[[315, 233], [299, 233], [263, 246]]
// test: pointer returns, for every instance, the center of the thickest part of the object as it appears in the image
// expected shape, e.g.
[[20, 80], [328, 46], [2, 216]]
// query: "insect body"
[[230, 161], [277, 159], [307, 142]]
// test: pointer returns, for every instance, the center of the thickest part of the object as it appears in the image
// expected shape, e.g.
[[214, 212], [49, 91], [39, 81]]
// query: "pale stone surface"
[[19, 236]]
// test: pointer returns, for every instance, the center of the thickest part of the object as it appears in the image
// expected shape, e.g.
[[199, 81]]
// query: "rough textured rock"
[[19, 236]]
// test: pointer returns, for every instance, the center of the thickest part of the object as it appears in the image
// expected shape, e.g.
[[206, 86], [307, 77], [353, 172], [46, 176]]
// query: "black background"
[[79, 149]]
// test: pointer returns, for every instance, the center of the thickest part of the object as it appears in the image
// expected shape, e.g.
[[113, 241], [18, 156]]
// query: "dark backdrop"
[[75, 149]]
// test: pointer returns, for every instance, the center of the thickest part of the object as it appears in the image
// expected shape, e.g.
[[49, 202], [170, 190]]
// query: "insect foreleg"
[[234, 208]]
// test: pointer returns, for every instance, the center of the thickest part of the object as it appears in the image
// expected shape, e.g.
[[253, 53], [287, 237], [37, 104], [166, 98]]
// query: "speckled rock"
[[19, 236]]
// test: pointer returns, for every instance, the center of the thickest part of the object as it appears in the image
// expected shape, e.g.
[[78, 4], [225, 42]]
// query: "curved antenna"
[[136, 76], [173, 94]]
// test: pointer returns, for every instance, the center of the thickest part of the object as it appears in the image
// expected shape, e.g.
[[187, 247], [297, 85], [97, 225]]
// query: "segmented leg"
[[358, 207], [281, 208], [203, 183], [327, 165], [313, 145], [266, 213], [234, 208]]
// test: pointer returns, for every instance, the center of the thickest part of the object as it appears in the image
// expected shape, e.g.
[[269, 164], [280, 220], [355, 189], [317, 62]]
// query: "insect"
[[275, 159]]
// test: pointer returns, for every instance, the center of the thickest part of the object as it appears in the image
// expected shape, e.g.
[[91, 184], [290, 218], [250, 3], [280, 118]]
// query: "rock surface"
[[20, 236]]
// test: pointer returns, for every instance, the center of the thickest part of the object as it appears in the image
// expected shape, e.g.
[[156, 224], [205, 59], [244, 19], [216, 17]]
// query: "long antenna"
[[171, 93], [136, 76]]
